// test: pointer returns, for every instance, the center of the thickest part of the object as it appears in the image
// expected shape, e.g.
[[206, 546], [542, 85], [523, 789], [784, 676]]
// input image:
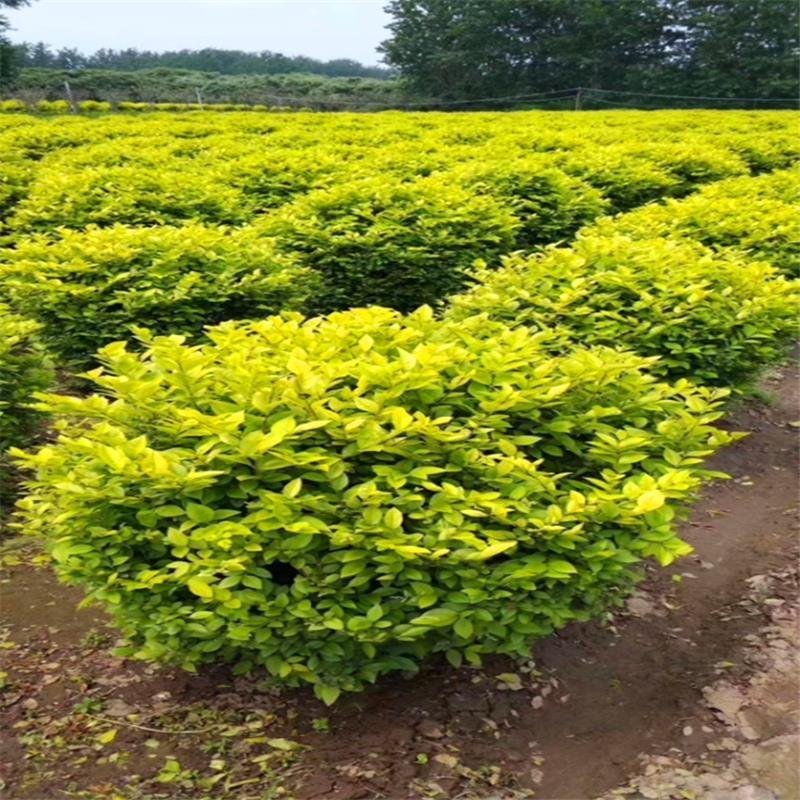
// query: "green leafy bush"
[[15, 177], [726, 215], [714, 318], [549, 204], [24, 369], [626, 181], [88, 288], [131, 195], [94, 106], [773, 150], [53, 106], [12, 106], [395, 244], [38, 137], [691, 164], [337, 498], [127, 105], [273, 177], [783, 184]]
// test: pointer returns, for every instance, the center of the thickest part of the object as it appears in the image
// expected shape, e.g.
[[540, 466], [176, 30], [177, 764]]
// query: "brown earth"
[[756, 753], [569, 725]]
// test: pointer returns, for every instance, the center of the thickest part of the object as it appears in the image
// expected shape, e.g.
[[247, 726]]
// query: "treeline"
[[469, 54], [224, 62], [182, 86], [463, 49]]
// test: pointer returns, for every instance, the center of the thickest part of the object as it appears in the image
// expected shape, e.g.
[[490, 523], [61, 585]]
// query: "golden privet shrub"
[[336, 498], [386, 242], [24, 369], [716, 318], [88, 288], [759, 217]]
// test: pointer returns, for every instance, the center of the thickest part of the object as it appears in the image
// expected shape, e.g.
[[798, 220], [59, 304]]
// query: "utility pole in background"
[[70, 98]]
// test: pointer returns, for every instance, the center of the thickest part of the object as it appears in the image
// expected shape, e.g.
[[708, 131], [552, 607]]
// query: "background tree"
[[8, 61], [224, 62], [490, 48], [741, 47]]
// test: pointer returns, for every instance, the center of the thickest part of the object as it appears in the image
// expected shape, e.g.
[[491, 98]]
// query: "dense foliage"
[[483, 53], [24, 369], [713, 318], [182, 85], [9, 63], [396, 245], [333, 498], [338, 498], [760, 217], [209, 59], [88, 288], [548, 203], [479, 49], [386, 209]]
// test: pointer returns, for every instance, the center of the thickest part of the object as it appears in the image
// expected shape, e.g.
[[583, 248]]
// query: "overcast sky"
[[321, 29]]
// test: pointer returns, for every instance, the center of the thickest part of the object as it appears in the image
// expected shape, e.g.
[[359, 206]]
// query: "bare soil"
[[570, 724], [755, 754]]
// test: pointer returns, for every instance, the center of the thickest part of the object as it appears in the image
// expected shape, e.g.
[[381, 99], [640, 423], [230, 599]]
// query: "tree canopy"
[[492, 48], [224, 62], [8, 62]]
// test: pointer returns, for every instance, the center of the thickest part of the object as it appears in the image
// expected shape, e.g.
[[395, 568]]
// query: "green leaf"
[[199, 513], [328, 694], [176, 538], [170, 511], [436, 618], [252, 443], [200, 588], [393, 518]]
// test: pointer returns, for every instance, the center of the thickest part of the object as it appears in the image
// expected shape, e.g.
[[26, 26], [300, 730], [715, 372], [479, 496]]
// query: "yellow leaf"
[[292, 489], [107, 737], [284, 744], [576, 502], [492, 550], [393, 518], [649, 501], [200, 588]]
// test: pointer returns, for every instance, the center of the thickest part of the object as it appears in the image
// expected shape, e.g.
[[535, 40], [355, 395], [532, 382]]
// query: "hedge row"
[[338, 497], [715, 316], [16, 106], [384, 211], [759, 217], [89, 288], [24, 370]]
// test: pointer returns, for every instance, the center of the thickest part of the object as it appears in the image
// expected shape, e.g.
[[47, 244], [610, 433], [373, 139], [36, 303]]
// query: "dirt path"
[[570, 726], [755, 754]]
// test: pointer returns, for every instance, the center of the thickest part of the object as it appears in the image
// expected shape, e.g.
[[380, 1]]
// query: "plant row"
[[174, 225], [704, 284], [339, 497], [16, 106]]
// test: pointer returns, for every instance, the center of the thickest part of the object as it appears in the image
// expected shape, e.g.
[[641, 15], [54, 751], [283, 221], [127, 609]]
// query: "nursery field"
[[301, 403]]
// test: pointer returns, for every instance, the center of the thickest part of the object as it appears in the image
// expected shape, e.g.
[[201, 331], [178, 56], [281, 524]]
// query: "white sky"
[[321, 29]]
